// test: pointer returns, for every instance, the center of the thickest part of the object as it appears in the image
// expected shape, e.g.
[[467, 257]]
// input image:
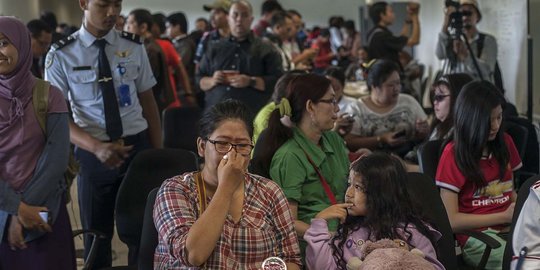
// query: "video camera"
[[455, 27]]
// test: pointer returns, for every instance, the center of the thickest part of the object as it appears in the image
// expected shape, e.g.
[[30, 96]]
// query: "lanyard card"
[[124, 97]]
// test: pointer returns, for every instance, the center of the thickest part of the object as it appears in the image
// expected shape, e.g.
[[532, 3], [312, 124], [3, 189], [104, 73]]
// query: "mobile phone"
[[401, 133], [44, 216]]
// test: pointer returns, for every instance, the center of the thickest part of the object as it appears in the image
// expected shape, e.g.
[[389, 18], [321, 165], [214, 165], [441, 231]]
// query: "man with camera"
[[459, 28]]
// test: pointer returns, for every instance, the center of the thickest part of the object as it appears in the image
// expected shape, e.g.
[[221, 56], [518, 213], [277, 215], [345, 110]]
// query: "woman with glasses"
[[223, 217], [307, 159], [444, 95], [387, 119]]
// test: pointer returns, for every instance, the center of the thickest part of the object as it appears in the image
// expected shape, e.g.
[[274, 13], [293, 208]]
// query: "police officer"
[[106, 77]]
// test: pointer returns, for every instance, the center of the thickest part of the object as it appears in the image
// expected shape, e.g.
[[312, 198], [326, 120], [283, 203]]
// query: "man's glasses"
[[439, 98], [466, 13], [332, 101], [224, 147]]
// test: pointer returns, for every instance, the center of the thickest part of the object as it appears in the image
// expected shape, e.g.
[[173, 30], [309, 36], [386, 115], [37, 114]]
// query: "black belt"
[[130, 139]]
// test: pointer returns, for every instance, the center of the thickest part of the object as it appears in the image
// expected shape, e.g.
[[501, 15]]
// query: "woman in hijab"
[[32, 163]]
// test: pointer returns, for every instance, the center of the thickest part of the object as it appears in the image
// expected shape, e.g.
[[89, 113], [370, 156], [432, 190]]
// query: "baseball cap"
[[473, 3], [219, 4]]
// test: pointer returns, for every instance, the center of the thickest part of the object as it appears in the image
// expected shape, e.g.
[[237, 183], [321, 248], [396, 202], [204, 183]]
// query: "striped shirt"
[[265, 229]]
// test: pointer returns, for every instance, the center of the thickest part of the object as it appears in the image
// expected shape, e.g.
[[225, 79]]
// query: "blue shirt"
[[74, 69]]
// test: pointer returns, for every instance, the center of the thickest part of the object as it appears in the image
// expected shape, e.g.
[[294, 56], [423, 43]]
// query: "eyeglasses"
[[332, 101], [224, 147], [439, 98], [466, 13]]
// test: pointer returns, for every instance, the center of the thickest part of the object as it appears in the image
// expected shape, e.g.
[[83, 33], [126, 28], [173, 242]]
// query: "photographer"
[[451, 46]]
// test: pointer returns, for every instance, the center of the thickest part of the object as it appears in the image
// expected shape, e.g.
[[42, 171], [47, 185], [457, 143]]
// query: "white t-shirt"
[[402, 117]]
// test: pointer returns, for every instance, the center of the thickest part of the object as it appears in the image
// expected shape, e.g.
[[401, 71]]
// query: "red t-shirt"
[[173, 60], [495, 197]]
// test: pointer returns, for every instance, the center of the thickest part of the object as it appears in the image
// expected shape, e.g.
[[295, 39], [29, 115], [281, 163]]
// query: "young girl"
[[377, 205], [475, 171]]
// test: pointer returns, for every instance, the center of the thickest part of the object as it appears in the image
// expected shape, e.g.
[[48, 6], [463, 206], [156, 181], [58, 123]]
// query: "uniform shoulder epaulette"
[[132, 37], [64, 42]]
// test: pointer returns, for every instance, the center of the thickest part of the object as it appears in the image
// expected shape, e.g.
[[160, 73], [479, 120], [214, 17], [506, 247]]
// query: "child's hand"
[[338, 211]]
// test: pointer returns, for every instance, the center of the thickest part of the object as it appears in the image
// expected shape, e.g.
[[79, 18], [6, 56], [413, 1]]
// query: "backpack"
[[497, 74], [40, 101]]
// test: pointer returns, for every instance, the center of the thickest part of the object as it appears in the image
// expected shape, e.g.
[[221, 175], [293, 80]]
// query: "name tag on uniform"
[[82, 68]]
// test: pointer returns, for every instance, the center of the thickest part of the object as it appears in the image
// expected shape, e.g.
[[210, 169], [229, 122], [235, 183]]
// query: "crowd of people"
[[330, 174]]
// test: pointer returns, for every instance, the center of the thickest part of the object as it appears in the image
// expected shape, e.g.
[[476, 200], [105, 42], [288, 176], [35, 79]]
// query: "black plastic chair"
[[531, 157], [180, 127], [521, 198], [149, 237], [146, 172], [256, 165], [422, 187], [428, 157], [519, 135]]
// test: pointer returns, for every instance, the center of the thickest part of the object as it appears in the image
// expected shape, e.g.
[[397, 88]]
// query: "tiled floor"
[[120, 250]]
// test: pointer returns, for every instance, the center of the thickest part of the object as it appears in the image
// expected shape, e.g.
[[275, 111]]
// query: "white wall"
[[535, 34]]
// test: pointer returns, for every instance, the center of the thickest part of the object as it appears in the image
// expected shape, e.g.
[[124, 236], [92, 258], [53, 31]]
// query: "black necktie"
[[113, 122]]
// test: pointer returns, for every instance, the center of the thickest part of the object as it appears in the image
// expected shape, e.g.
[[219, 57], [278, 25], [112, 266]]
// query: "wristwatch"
[[252, 81]]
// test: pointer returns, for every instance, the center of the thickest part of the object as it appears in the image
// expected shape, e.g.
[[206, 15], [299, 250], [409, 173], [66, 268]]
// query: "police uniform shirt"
[[73, 67]]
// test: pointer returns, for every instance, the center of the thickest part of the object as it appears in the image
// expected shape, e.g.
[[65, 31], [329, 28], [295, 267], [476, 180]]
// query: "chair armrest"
[[486, 239], [96, 237], [490, 244]]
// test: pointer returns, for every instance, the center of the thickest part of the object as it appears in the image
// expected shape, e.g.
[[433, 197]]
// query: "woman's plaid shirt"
[[265, 229]]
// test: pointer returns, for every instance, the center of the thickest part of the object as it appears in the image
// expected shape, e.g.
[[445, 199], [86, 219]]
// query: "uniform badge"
[[123, 54], [49, 60], [274, 263]]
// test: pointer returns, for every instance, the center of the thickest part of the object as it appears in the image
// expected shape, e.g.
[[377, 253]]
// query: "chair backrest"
[[428, 157], [423, 187], [256, 165], [149, 236], [519, 135], [531, 157], [146, 172], [523, 193], [180, 127]]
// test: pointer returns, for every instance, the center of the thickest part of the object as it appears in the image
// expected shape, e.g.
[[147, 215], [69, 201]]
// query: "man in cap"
[[219, 14], [453, 49]]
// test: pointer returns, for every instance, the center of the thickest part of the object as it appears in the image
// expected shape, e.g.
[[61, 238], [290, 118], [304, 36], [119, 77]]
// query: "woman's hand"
[[29, 217], [15, 234], [338, 211], [344, 124], [231, 170], [392, 138]]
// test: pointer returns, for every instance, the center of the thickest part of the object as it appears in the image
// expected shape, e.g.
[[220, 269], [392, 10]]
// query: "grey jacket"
[[47, 186]]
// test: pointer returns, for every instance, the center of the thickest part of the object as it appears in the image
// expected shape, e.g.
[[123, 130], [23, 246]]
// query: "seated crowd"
[[295, 171]]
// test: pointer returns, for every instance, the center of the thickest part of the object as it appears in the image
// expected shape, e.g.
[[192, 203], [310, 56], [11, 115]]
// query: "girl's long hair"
[[388, 203], [472, 123]]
